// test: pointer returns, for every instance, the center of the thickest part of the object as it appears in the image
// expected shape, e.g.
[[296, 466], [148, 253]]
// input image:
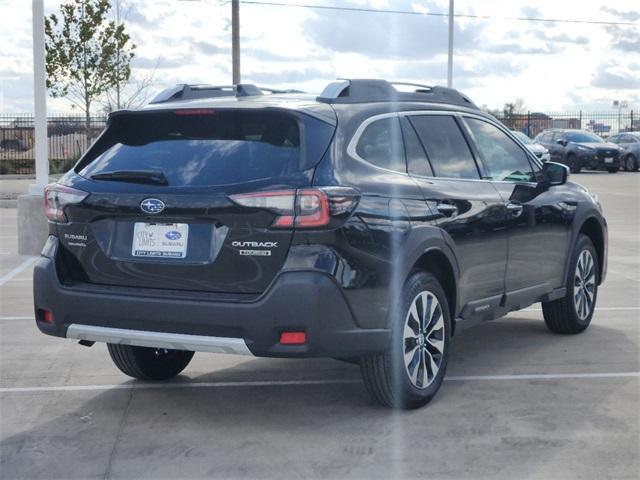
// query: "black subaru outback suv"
[[370, 223]]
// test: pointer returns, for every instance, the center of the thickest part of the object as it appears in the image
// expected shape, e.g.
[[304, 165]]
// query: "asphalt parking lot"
[[519, 402]]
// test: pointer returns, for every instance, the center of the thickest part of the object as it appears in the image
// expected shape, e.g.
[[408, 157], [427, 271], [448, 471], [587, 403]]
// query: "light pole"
[[39, 100], [450, 59], [235, 41]]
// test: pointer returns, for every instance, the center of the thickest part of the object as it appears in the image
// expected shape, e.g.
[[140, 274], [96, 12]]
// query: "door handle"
[[447, 209], [514, 209]]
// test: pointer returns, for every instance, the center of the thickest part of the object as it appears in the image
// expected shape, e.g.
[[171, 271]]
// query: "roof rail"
[[365, 90], [188, 92]]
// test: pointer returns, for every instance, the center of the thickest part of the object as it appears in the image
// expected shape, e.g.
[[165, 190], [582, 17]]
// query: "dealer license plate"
[[160, 240]]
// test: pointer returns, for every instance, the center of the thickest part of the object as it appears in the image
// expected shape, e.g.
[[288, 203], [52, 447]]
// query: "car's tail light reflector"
[[293, 338], [45, 315], [57, 197]]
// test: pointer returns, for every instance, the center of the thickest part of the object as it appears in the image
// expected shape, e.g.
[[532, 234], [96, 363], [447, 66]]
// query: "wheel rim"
[[584, 285], [423, 340], [630, 164]]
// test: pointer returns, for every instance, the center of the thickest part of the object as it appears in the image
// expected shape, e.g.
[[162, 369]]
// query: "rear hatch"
[[159, 213]]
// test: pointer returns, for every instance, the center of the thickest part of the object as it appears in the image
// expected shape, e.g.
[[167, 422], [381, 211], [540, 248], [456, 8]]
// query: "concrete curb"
[[8, 203]]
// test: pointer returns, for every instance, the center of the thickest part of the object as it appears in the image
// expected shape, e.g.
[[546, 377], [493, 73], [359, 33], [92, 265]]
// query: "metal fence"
[[69, 137], [604, 124]]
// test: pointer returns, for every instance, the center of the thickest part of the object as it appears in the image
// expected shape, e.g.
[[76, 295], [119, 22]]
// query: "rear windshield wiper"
[[154, 177]]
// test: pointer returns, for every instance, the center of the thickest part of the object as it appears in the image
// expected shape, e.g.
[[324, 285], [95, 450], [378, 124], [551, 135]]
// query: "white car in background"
[[538, 150]]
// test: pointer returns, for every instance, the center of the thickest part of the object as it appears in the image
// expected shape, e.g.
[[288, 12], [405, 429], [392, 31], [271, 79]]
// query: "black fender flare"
[[422, 241]]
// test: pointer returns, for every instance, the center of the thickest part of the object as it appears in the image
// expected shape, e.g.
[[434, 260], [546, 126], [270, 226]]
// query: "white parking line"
[[598, 309], [601, 309], [280, 383], [20, 268]]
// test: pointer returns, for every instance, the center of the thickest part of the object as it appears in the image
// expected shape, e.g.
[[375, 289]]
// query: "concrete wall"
[[33, 227]]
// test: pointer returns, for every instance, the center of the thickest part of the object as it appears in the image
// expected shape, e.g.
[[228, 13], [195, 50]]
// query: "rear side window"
[[381, 144], [545, 138], [446, 147], [417, 162], [504, 159], [216, 148]]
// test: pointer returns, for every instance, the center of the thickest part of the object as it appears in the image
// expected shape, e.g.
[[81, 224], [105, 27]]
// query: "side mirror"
[[555, 173], [561, 142]]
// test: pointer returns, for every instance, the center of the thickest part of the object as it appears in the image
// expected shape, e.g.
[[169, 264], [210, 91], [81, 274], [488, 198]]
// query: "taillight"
[[57, 197], [304, 208], [281, 202]]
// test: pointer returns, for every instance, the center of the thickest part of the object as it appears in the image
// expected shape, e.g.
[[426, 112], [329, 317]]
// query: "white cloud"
[[552, 66]]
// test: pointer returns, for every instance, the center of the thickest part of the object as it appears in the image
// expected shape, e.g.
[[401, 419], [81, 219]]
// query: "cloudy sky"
[[551, 65]]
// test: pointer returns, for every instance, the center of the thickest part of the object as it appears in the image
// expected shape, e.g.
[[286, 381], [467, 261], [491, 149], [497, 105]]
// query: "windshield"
[[583, 137], [214, 148], [522, 137]]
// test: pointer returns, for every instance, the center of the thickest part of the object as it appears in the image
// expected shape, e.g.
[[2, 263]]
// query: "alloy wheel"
[[584, 285], [630, 164], [423, 339]]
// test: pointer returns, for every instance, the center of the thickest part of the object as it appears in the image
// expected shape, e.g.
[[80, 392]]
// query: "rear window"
[[217, 148]]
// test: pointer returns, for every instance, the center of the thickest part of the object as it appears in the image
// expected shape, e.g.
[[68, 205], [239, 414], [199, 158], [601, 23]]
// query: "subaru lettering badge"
[[152, 206]]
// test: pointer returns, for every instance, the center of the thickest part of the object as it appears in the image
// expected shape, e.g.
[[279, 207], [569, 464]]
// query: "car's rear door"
[[468, 209], [557, 151], [161, 212]]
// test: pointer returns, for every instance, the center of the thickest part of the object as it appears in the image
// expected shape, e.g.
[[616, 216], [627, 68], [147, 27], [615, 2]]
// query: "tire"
[[149, 363], [630, 163], [612, 170], [572, 162], [566, 315], [386, 375]]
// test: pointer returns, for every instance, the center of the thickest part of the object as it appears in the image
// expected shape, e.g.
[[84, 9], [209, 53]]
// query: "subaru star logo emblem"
[[152, 206]]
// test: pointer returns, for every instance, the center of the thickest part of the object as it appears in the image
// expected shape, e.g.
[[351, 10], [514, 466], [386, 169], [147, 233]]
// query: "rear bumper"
[[308, 301]]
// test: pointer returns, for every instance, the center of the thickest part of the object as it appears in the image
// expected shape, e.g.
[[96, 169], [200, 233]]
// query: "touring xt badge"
[[252, 246]]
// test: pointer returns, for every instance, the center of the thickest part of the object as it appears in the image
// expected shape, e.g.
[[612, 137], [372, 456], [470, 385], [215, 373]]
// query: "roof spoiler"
[[189, 92], [370, 90]]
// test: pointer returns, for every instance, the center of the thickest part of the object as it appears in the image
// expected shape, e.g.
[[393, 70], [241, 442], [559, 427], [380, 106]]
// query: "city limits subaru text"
[[368, 224]]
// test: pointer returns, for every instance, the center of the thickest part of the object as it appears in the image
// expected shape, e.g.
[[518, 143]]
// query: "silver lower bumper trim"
[[172, 341]]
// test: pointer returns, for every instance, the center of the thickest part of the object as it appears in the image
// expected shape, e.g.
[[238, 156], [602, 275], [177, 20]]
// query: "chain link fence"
[[69, 137]]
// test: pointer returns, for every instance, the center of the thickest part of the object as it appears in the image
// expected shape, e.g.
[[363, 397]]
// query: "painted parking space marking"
[[598, 309], [281, 383], [601, 309], [19, 269]]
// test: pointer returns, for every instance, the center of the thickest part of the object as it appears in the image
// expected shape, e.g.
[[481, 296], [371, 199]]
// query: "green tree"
[[87, 53]]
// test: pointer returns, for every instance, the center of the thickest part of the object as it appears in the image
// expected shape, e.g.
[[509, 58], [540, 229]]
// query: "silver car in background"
[[538, 150], [629, 142]]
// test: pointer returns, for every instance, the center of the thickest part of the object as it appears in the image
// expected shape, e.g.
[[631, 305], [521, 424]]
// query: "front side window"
[[446, 147], [578, 136], [381, 144], [504, 159]]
